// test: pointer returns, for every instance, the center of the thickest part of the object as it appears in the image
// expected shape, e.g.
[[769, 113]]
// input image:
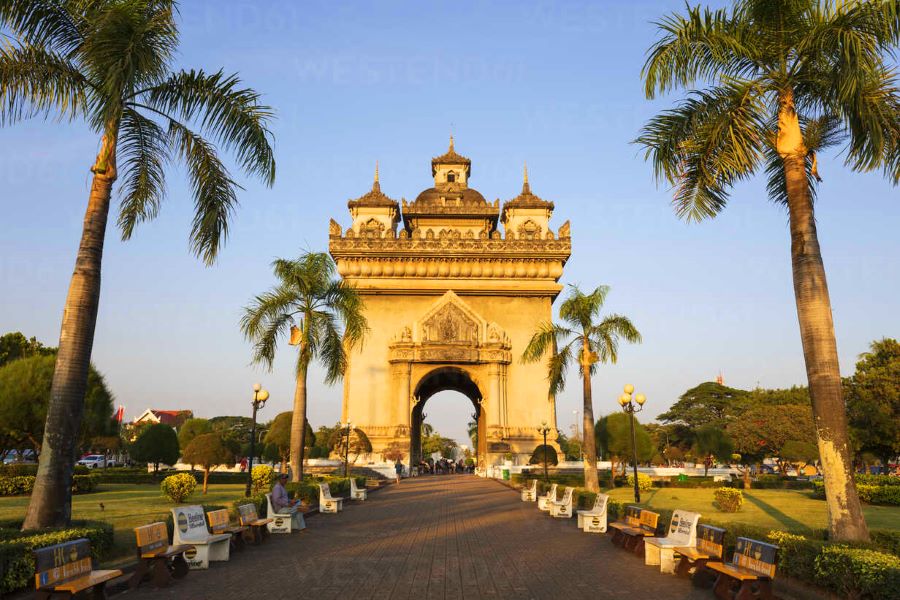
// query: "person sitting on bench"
[[283, 505]]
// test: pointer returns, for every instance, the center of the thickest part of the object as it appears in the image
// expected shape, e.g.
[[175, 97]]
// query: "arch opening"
[[440, 380]]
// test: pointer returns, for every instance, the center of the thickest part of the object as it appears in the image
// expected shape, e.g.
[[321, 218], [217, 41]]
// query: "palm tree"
[[108, 63], [592, 342], [784, 80], [311, 306]]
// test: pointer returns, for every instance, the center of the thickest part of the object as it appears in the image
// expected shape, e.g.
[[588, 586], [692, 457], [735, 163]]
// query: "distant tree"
[[798, 394], [589, 340], [156, 444], [209, 451], [25, 386], [709, 403], [436, 443], [394, 452], [191, 429], [472, 430], [15, 345], [795, 452], [537, 457], [873, 400], [359, 443], [712, 443], [613, 436], [279, 436], [762, 431]]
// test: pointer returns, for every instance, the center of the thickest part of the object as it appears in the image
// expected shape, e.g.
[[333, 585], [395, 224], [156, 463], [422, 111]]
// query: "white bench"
[[357, 493], [562, 509], [682, 532], [529, 494], [190, 529], [288, 519], [594, 520], [544, 501], [328, 503]]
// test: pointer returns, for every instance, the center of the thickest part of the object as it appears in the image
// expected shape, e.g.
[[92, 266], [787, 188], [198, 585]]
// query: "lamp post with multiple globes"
[[631, 406], [259, 400]]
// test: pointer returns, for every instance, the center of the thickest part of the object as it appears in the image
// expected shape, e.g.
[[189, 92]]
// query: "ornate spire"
[[526, 189], [376, 186], [451, 143]]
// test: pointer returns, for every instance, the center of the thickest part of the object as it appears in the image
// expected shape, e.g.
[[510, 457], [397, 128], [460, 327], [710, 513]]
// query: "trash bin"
[[682, 477], [505, 474]]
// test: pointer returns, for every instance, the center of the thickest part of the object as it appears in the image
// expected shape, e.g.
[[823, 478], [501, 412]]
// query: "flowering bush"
[[263, 477], [178, 487], [729, 499], [645, 484]]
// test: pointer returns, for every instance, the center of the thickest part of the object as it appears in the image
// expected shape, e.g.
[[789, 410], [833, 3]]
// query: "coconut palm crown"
[[109, 63], [589, 339], [322, 315], [782, 81]]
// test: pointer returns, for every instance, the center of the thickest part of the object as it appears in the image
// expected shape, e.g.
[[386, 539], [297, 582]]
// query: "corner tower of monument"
[[451, 304]]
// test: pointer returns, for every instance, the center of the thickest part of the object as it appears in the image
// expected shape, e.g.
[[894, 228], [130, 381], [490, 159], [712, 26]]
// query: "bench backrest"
[[189, 523], [683, 528], [600, 503], [649, 520], [151, 537], [567, 496], [757, 556], [633, 516], [552, 493], [533, 487], [55, 564], [248, 513], [353, 487], [710, 540], [218, 519], [325, 490]]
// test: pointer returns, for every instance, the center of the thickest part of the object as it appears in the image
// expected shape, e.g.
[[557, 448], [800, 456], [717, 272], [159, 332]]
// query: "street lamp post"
[[347, 452], [259, 400], [544, 430], [630, 407]]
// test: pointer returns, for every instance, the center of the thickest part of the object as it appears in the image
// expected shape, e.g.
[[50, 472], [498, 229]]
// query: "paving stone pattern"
[[440, 537]]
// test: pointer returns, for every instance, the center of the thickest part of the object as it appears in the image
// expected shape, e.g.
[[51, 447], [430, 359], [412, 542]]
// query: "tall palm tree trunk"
[[846, 521], [588, 443], [51, 499], [298, 425]]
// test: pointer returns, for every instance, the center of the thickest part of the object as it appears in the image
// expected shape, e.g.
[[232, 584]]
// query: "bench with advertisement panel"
[[66, 569], [157, 559], [750, 572], [710, 546]]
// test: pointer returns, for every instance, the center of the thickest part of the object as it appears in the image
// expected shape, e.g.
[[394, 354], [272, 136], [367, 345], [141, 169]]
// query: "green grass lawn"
[[790, 510], [126, 506]]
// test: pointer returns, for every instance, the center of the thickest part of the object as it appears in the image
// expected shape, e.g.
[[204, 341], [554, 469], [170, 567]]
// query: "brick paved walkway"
[[433, 537]]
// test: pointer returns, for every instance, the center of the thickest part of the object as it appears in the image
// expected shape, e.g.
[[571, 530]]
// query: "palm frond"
[[343, 298], [545, 339], [604, 337], [142, 155], [42, 23], [233, 115], [557, 366], [701, 45], [872, 119], [36, 81], [267, 318], [707, 143], [331, 350], [580, 309], [214, 191]]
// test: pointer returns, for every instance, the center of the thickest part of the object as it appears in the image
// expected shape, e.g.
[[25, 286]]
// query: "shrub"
[[263, 478], [797, 554], [887, 495], [878, 479], [259, 500], [178, 487], [16, 549], [542, 453], [23, 484], [728, 499], [857, 572], [645, 484]]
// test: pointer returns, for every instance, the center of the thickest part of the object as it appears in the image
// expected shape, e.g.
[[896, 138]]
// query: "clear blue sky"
[[556, 84]]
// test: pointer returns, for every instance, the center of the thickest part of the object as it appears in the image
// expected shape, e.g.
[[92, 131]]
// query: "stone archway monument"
[[451, 304]]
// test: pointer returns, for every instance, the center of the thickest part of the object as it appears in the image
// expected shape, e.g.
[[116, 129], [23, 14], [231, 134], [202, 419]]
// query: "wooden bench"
[[157, 558], [327, 502], [562, 508], [544, 501], [594, 520], [631, 519], [631, 537], [357, 493], [290, 518], [750, 572], [709, 546], [220, 522], [258, 527], [67, 569], [190, 528], [682, 532], [529, 494]]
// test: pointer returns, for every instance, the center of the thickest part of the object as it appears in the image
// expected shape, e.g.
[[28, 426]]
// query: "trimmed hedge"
[[23, 469], [728, 499], [859, 573], [23, 484], [17, 560], [880, 494]]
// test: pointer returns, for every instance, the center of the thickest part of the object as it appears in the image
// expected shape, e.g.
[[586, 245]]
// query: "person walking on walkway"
[[398, 468]]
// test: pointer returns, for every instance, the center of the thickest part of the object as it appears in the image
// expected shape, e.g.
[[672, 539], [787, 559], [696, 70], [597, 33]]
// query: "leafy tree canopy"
[[764, 431], [156, 444], [709, 403], [15, 345], [873, 400], [24, 397], [712, 441], [542, 453], [191, 429], [208, 450], [614, 438]]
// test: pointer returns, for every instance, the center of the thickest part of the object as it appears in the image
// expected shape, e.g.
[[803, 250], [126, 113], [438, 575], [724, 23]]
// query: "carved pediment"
[[450, 325]]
